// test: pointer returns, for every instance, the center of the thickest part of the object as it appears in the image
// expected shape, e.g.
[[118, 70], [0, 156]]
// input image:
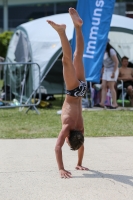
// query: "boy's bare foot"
[[75, 17], [58, 27]]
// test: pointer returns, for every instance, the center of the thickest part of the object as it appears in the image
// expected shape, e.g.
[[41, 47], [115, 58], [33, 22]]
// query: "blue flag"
[[96, 15]]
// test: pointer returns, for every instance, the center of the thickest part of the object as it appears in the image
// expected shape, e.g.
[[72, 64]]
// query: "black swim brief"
[[80, 91], [127, 83]]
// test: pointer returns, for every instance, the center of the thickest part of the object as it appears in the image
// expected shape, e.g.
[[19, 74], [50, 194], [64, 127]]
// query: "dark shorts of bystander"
[[126, 84]]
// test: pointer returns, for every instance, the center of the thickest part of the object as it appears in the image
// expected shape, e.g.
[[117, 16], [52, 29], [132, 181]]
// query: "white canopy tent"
[[121, 36], [44, 46]]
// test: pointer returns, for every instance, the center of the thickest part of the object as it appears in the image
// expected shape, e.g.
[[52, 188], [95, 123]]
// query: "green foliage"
[[4, 42]]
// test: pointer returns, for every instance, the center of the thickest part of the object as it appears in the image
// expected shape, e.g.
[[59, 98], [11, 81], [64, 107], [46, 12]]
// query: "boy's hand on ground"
[[65, 174], [78, 167]]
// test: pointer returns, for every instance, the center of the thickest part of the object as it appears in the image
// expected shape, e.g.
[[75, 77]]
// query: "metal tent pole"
[[5, 15]]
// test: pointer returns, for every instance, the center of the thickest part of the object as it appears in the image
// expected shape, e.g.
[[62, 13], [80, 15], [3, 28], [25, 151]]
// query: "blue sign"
[[96, 15]]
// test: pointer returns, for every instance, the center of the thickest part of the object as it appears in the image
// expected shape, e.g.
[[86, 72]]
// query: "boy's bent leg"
[[79, 49], [68, 68]]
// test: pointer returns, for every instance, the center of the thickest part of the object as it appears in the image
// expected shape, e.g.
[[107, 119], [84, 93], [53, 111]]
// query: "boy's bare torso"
[[71, 114], [126, 74]]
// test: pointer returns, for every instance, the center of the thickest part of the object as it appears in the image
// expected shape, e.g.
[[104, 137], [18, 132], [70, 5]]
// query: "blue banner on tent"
[[96, 15]]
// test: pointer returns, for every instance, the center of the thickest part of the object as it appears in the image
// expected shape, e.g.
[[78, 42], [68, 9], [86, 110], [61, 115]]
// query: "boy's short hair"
[[124, 58], [76, 139]]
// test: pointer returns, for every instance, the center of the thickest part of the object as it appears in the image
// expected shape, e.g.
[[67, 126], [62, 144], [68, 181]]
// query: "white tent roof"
[[121, 36], [122, 22], [45, 41]]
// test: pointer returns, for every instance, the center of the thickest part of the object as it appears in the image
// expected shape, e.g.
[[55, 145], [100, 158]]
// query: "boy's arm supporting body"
[[70, 122], [80, 157], [58, 151]]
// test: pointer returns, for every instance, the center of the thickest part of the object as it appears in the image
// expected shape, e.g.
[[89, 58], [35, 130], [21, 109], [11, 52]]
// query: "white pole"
[[5, 15]]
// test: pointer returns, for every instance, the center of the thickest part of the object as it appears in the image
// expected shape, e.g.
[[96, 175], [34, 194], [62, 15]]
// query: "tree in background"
[[4, 42]]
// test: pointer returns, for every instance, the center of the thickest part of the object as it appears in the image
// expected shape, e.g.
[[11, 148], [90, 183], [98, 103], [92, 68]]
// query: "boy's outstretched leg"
[[70, 77], [79, 49]]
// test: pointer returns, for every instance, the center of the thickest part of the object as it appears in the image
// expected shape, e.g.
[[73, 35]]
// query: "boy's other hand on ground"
[[65, 174], [78, 167]]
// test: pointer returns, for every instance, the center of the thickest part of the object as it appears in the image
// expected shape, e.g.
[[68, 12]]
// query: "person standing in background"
[[109, 77]]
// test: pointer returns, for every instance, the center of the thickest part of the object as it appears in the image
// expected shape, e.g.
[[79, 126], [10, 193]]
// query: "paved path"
[[28, 170]]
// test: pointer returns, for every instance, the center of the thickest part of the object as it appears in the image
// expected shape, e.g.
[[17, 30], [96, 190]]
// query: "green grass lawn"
[[16, 124]]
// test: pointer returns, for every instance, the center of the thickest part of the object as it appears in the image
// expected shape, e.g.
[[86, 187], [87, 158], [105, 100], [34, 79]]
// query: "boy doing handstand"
[[73, 71]]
